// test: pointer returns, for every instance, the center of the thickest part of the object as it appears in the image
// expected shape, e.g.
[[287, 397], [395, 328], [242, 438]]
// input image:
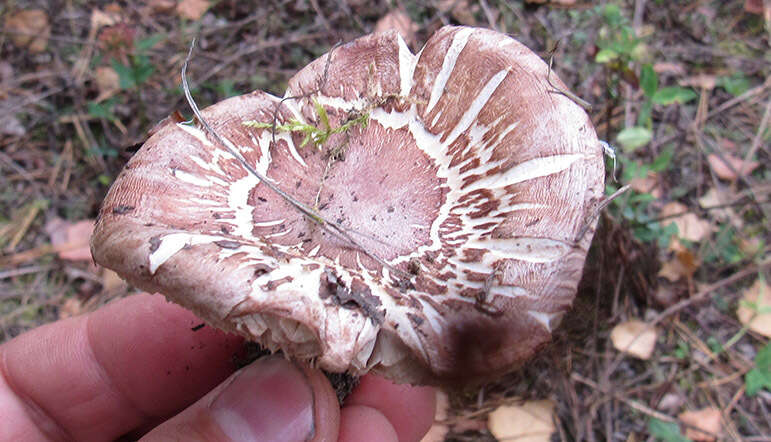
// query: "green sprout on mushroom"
[[317, 135]]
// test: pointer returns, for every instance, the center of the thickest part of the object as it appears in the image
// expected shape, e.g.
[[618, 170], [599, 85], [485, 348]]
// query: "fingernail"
[[270, 400]]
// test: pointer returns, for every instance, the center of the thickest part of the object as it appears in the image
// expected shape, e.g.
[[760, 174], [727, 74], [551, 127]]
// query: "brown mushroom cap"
[[473, 177]]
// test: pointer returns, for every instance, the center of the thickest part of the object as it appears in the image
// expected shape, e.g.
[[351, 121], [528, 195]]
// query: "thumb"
[[270, 400]]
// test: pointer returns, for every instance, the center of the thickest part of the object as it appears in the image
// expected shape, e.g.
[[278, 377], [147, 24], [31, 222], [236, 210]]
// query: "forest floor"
[[669, 334]]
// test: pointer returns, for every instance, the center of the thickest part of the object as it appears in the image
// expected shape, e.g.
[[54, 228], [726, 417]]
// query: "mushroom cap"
[[473, 180]]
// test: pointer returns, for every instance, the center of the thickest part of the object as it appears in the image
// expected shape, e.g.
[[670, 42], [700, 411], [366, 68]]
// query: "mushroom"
[[447, 218]]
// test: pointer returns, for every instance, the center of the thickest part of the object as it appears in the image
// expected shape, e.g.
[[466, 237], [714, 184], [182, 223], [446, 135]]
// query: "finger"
[[409, 409], [101, 375], [270, 400], [359, 422]]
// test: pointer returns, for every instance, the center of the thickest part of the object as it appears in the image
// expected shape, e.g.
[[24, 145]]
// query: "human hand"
[[136, 368]]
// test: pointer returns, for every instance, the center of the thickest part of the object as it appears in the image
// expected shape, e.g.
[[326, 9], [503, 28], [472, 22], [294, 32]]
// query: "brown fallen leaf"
[[689, 226], [111, 282], [712, 200], [71, 240], [701, 81], [556, 2], [29, 29], [664, 67], [753, 6], [738, 167], [647, 184], [192, 9], [670, 402], [72, 306], [107, 81], [160, 6], [532, 421], [751, 246], [399, 20], [635, 338], [101, 18], [461, 10], [683, 265], [667, 293], [706, 419], [755, 308]]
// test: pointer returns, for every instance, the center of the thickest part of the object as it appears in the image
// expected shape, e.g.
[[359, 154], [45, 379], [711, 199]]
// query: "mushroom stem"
[[330, 226]]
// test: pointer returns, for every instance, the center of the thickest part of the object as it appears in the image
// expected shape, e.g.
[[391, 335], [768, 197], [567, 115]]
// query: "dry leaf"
[[29, 29], [753, 6], [707, 419], [671, 402], [635, 338], [669, 68], [755, 308], [161, 6], [532, 421], [647, 184], [701, 81], [723, 171], [689, 225], [107, 81], [192, 9], [111, 282], [100, 19], [71, 240], [683, 265], [556, 2], [751, 246], [712, 199], [439, 429], [667, 293], [401, 22], [461, 10], [70, 307], [10, 125]]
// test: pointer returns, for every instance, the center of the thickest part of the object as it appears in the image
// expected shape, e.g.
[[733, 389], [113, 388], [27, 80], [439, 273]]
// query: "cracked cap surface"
[[471, 180]]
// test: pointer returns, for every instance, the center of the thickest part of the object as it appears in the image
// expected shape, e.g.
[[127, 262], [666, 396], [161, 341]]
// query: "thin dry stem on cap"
[[472, 191]]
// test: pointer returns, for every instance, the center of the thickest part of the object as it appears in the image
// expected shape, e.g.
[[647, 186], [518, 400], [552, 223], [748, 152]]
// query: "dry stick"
[[274, 43], [588, 222], [322, 83], [743, 97], [745, 179], [489, 15], [330, 226], [560, 90], [756, 141], [699, 296], [703, 209], [642, 408], [24, 271]]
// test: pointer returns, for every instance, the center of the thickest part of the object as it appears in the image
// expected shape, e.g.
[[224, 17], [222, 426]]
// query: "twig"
[[321, 85], [588, 222], [330, 226], [295, 38], [320, 15], [697, 297], [560, 90], [703, 209], [743, 97], [24, 271], [756, 141], [642, 408], [488, 14]]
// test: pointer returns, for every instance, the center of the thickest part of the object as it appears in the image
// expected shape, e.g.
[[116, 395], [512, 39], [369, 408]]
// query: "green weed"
[[317, 135]]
